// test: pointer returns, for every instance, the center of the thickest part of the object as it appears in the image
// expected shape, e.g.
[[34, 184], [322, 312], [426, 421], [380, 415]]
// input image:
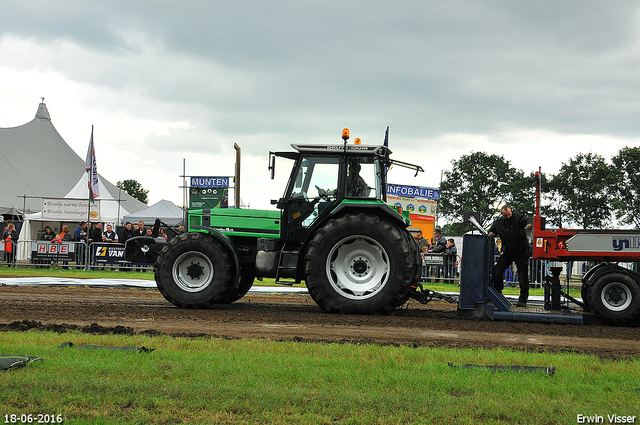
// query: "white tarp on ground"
[[165, 210], [127, 283]]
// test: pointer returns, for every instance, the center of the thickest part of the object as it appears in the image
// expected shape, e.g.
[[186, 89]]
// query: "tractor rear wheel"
[[361, 264], [193, 270], [615, 297]]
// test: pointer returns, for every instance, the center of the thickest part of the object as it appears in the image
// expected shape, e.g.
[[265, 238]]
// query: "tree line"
[[588, 192]]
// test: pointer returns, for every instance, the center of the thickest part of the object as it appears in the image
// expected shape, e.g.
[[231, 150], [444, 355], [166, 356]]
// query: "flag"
[[386, 137], [92, 171]]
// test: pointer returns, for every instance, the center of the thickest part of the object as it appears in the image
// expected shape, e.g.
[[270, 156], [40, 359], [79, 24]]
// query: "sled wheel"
[[615, 297], [359, 263], [193, 270], [584, 293], [232, 294]]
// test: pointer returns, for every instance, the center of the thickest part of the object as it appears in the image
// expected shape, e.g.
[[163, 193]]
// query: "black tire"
[[193, 270], [359, 264], [584, 293], [233, 294], [615, 297]]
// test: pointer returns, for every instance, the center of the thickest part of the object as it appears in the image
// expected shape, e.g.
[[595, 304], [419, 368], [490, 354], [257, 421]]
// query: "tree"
[[133, 188], [482, 182], [583, 185], [626, 186]]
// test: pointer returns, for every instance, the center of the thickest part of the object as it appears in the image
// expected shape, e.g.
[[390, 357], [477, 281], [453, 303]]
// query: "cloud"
[[166, 81]]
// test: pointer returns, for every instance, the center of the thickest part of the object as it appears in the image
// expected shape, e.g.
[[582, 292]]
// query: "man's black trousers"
[[522, 263]]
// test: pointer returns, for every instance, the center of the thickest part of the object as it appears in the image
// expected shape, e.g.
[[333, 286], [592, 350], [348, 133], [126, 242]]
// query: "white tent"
[[165, 210], [36, 162], [111, 211]]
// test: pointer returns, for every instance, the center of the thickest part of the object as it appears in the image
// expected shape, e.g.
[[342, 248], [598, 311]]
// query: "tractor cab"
[[325, 176], [326, 179]]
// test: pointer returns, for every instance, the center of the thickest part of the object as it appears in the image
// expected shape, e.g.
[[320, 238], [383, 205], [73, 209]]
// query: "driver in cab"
[[356, 186]]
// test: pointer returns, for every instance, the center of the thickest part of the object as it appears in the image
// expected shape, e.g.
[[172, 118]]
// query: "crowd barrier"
[[70, 255], [440, 266]]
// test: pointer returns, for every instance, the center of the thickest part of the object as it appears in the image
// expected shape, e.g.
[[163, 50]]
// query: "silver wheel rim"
[[616, 296], [358, 267], [193, 271]]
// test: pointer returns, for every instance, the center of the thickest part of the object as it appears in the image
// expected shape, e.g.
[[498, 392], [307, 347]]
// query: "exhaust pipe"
[[236, 190]]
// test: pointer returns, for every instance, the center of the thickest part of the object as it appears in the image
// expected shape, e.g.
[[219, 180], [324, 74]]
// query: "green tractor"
[[333, 230]]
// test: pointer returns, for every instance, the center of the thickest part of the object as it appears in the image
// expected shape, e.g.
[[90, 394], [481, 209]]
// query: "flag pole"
[[91, 170]]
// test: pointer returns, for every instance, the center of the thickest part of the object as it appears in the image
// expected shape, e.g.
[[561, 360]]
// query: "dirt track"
[[295, 317]]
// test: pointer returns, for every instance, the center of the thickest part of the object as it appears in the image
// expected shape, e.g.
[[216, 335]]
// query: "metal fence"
[[446, 268], [436, 267], [68, 255]]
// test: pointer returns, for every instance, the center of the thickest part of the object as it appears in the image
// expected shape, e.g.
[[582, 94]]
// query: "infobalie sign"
[[413, 191]]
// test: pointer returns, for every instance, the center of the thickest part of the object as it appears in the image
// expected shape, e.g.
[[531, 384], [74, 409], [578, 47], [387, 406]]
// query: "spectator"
[[126, 233], [109, 235], [123, 237], [450, 253], [440, 243], [96, 233], [79, 237], [422, 242], [163, 234], [149, 231], [7, 226], [10, 239], [48, 234], [64, 236], [141, 231]]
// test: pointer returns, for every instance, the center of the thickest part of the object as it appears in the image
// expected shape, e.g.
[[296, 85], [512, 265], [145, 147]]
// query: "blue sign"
[[209, 182], [413, 191]]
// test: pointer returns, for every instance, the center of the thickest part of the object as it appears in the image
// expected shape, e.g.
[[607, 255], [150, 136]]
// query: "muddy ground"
[[298, 318]]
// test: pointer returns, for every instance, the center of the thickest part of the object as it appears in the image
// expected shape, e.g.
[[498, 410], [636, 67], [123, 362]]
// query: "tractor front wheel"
[[193, 270], [359, 263], [232, 294]]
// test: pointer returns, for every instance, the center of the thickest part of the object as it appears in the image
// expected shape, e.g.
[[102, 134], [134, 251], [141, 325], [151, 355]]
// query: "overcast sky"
[[164, 81]]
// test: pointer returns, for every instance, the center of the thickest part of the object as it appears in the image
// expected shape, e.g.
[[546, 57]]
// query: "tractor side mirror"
[[272, 165]]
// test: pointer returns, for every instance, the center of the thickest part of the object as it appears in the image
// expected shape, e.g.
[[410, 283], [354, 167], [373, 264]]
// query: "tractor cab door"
[[313, 187]]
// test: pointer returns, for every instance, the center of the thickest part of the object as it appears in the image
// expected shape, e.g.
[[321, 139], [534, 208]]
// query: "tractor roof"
[[360, 150]]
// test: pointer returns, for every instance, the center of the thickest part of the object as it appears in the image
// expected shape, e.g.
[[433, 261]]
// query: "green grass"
[[216, 381]]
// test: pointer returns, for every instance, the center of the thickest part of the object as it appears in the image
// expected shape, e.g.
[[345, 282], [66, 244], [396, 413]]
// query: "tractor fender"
[[228, 243], [384, 210], [604, 268]]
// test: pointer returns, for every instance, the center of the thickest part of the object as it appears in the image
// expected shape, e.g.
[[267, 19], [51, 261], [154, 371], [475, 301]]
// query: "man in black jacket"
[[511, 228]]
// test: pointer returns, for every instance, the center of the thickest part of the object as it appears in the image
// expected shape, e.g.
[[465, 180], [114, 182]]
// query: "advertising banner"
[[420, 201], [60, 209], [209, 192], [108, 253], [43, 250], [414, 192]]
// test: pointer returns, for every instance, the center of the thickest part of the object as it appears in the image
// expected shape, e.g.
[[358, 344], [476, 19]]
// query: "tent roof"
[[36, 161], [165, 210]]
